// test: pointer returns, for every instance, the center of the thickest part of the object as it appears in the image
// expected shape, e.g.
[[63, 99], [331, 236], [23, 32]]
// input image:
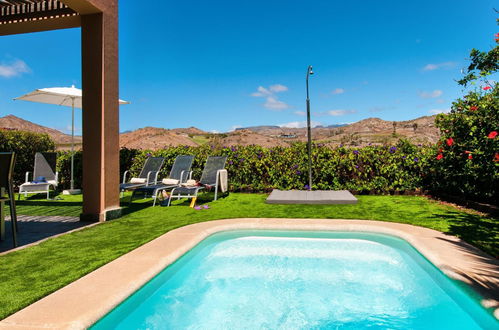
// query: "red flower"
[[486, 88], [474, 108], [497, 37], [450, 141], [492, 134], [440, 156], [440, 150], [467, 152], [496, 157], [470, 156]]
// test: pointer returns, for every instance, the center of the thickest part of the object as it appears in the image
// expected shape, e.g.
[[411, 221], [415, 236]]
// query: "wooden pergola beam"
[[23, 16], [41, 25]]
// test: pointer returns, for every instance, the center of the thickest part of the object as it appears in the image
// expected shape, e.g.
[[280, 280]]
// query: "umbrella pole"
[[72, 142]]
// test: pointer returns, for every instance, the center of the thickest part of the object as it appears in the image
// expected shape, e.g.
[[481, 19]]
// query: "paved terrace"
[[34, 229]]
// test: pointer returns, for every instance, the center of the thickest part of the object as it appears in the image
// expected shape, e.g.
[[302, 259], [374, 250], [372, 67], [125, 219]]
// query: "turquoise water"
[[300, 280]]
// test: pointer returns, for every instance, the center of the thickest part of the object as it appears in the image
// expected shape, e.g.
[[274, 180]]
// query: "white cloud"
[[436, 66], [339, 112], [300, 124], [13, 69], [261, 91], [437, 111], [278, 88], [273, 103], [214, 131], [430, 95], [233, 128], [338, 91], [300, 113], [440, 101]]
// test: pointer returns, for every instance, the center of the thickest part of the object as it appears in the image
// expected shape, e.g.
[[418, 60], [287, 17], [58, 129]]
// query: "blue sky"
[[222, 64]]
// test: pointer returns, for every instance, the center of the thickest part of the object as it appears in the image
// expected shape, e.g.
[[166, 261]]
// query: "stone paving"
[[33, 229]]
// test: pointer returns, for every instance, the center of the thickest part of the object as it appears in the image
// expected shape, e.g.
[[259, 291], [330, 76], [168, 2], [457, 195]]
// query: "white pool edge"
[[83, 302]]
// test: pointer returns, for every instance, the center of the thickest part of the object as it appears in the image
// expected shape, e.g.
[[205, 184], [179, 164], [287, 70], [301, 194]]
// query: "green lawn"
[[59, 261]]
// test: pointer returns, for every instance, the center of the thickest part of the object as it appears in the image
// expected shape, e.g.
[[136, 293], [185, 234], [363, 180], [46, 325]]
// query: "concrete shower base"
[[311, 197]]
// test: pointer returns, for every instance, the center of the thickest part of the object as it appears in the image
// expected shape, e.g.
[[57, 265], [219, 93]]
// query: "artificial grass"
[[30, 274]]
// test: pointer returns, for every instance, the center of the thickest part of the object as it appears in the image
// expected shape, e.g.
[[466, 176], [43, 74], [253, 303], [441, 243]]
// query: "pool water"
[[300, 280]]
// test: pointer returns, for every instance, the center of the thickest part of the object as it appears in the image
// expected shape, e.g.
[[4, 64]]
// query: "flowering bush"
[[466, 160], [468, 166]]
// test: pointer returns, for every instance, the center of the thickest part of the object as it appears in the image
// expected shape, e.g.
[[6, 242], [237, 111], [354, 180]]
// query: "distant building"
[[287, 136]]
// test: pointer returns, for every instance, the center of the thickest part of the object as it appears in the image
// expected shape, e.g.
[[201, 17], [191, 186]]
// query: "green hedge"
[[25, 145], [64, 166], [372, 169]]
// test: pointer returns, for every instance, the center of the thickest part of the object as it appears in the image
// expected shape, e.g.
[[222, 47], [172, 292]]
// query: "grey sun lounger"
[[44, 175], [148, 175], [180, 172], [210, 178]]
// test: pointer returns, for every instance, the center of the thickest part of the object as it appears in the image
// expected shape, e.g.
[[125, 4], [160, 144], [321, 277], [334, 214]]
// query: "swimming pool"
[[299, 280]]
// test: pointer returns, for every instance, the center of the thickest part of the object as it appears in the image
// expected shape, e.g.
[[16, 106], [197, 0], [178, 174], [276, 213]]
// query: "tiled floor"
[[35, 228]]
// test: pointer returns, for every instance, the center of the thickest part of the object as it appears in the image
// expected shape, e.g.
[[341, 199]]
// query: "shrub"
[[25, 145], [64, 168], [376, 169], [127, 158], [466, 159]]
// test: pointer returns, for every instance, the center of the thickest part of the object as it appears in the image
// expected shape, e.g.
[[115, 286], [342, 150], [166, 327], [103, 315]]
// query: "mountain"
[[248, 137], [15, 123], [189, 131], [154, 138], [363, 132], [257, 129], [366, 131]]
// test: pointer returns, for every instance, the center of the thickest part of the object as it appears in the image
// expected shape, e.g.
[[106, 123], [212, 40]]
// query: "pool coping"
[[84, 301]]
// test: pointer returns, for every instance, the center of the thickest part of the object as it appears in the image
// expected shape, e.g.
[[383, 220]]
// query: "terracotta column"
[[99, 37]]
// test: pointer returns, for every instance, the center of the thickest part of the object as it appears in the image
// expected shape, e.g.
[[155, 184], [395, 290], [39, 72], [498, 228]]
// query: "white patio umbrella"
[[66, 96]]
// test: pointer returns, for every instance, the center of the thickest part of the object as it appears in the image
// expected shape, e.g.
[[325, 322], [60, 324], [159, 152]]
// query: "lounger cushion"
[[138, 180], [190, 183], [34, 187], [170, 181]]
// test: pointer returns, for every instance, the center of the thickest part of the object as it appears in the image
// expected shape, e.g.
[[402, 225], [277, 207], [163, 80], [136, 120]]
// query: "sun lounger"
[[44, 175], [148, 175], [180, 173], [210, 179]]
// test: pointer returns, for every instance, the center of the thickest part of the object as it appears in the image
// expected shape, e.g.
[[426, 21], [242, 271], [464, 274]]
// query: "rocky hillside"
[[16, 123], [370, 130], [154, 138], [247, 137], [366, 131]]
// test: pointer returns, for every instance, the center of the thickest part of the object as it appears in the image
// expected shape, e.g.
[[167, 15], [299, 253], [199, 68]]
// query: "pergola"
[[98, 20]]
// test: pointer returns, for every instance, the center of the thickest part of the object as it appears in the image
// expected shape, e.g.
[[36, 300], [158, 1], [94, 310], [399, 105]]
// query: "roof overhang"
[[23, 16]]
